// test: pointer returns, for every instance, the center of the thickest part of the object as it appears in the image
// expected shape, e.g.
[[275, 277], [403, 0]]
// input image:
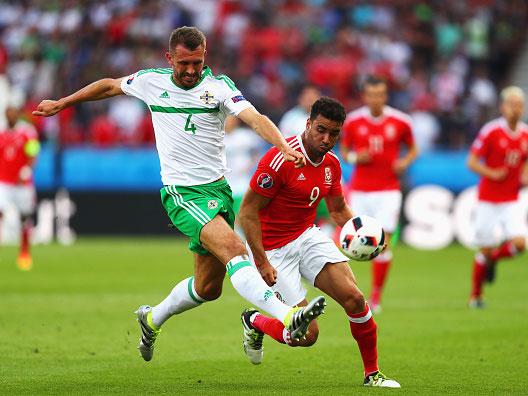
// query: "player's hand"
[[498, 174], [294, 156], [363, 157], [268, 273], [47, 108], [399, 166]]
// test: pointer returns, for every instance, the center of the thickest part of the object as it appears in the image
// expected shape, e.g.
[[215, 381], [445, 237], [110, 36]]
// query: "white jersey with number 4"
[[188, 123]]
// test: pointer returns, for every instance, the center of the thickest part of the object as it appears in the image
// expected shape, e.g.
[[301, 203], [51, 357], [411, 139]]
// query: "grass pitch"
[[67, 327]]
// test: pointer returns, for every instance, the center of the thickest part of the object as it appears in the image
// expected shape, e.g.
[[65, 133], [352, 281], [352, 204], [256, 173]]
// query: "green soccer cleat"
[[252, 339], [148, 332], [379, 379], [299, 318]]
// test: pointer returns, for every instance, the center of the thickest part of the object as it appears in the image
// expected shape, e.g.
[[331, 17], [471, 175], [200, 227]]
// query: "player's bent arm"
[[266, 129], [100, 89], [474, 163], [339, 211], [250, 221]]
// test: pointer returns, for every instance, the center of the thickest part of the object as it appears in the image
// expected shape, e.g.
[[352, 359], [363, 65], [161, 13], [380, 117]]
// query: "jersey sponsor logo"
[[164, 95], [301, 177], [238, 98], [212, 204], [265, 181], [130, 79], [328, 175], [207, 97]]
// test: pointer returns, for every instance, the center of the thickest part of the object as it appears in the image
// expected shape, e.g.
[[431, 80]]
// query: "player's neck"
[[512, 124], [376, 113], [312, 156]]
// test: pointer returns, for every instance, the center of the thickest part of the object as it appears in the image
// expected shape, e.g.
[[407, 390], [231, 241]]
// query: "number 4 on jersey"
[[189, 126]]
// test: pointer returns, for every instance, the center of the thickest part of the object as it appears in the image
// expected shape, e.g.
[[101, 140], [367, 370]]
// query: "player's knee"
[[354, 301], [520, 244]]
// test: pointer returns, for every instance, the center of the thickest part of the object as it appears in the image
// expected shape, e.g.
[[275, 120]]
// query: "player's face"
[[187, 64], [321, 134], [375, 97], [512, 108], [11, 116]]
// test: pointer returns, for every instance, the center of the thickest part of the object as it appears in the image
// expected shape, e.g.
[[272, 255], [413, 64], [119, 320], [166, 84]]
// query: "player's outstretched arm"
[[339, 211], [250, 221], [266, 129], [101, 89]]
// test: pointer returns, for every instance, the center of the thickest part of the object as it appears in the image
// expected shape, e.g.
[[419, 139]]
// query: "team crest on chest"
[[363, 130], [390, 131], [503, 143], [328, 175], [207, 97]]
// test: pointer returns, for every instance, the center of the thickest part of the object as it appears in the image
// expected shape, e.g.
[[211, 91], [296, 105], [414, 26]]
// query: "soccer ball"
[[362, 238]]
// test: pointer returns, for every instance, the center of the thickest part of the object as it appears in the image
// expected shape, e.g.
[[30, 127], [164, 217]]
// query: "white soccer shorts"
[[384, 206], [21, 197], [303, 257], [496, 222]]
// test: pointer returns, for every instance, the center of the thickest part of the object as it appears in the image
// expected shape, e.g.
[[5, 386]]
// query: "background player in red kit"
[[372, 139], [499, 155], [278, 213], [19, 146]]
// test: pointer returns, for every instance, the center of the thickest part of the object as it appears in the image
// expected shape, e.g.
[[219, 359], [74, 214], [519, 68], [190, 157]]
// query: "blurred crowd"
[[445, 60]]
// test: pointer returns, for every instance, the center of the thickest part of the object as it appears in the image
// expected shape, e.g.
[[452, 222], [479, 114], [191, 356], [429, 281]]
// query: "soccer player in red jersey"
[[19, 147], [372, 139], [499, 155], [277, 215]]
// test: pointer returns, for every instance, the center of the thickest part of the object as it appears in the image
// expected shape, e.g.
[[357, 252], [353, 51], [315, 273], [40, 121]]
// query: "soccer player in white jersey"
[[189, 105]]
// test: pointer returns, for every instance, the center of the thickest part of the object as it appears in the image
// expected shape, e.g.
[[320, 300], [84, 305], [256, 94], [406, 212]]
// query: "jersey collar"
[[206, 71], [301, 145], [376, 120], [508, 130]]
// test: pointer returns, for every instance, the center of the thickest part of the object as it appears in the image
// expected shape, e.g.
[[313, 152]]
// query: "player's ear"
[[308, 123], [169, 58]]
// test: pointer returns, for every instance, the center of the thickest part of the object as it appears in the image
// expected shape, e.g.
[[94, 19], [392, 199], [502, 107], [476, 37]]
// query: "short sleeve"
[[234, 101], [134, 85], [266, 181], [336, 189], [480, 145], [348, 134]]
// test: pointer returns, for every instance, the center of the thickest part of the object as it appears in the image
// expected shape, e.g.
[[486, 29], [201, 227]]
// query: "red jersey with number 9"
[[382, 138], [294, 192], [500, 147]]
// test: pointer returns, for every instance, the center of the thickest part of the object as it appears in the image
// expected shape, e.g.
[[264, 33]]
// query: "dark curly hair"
[[328, 108]]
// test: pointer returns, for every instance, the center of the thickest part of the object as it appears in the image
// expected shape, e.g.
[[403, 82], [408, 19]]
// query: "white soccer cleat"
[[252, 339], [148, 333], [378, 379]]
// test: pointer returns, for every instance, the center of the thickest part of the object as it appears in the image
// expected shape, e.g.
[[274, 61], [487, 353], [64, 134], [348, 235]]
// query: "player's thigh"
[[358, 201], [7, 196], [209, 275], [219, 238], [288, 288], [338, 281], [315, 251], [487, 220], [25, 199], [386, 208], [513, 223]]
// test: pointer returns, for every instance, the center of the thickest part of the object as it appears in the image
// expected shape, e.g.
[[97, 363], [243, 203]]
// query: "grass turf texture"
[[67, 327]]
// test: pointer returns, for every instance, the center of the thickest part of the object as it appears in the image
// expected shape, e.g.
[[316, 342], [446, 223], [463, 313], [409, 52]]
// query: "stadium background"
[[445, 62], [67, 325]]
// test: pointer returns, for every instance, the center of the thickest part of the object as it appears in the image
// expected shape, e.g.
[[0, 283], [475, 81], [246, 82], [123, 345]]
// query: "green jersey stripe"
[[159, 71], [183, 110], [191, 205], [177, 202]]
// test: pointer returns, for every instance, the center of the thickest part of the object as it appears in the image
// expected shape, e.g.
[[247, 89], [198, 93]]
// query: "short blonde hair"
[[512, 91]]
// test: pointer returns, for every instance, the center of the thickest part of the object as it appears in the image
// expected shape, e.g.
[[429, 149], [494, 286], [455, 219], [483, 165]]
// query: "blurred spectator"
[[458, 50], [294, 120]]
